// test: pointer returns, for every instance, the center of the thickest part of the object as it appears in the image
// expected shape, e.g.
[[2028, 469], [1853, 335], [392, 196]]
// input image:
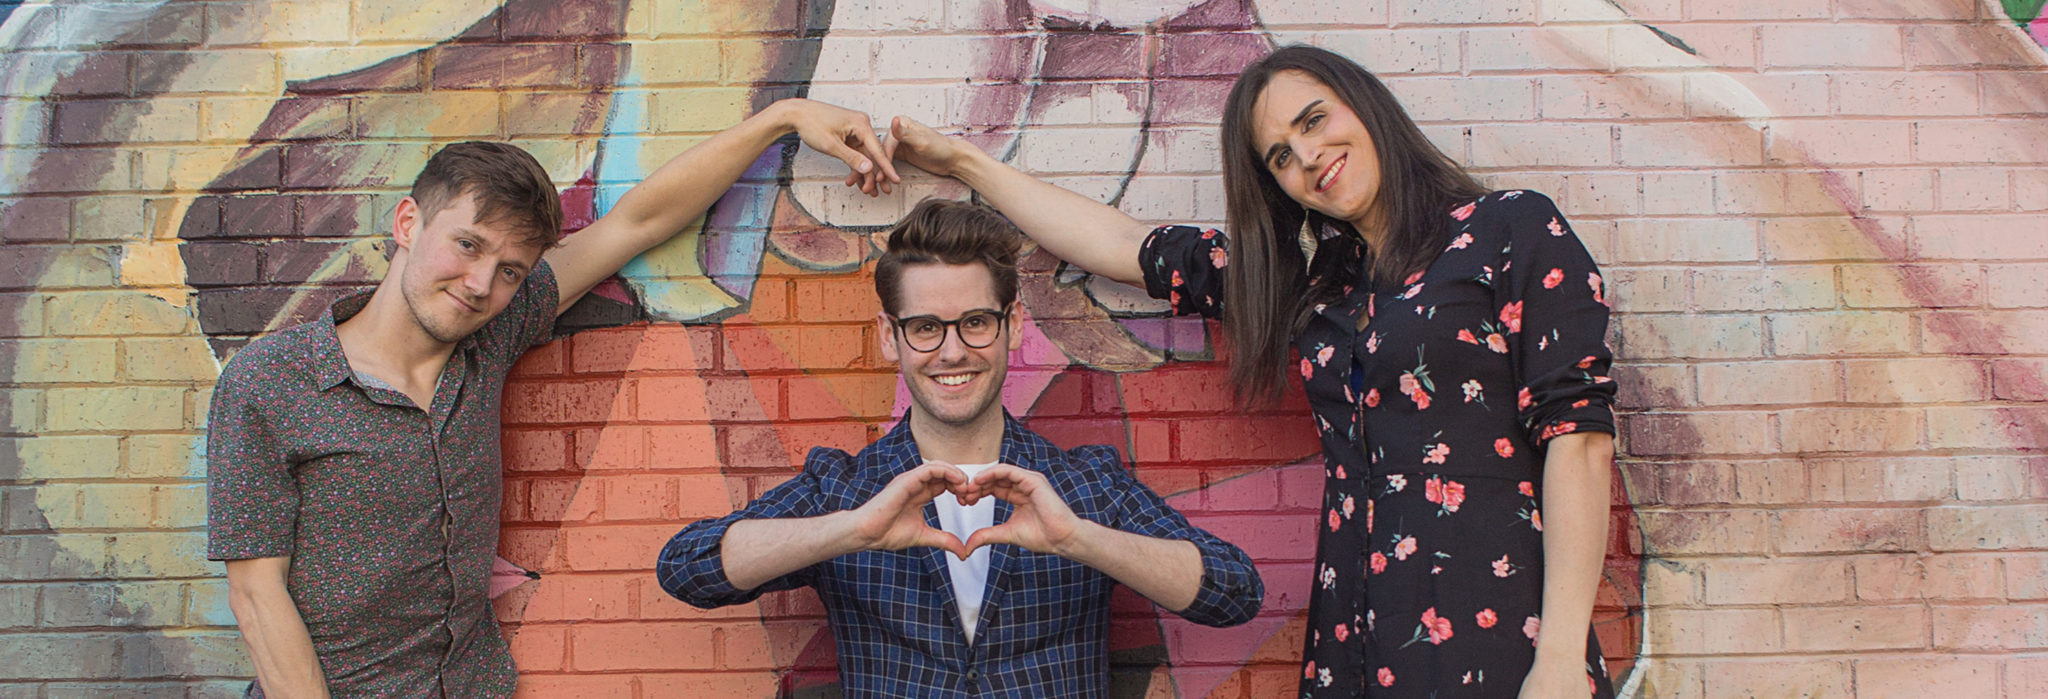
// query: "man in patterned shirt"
[[1020, 607], [353, 478]]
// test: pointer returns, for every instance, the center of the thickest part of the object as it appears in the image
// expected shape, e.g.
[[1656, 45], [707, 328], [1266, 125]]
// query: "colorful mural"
[[1818, 224]]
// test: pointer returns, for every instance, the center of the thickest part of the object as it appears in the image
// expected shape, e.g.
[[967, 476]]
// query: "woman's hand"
[[844, 134], [929, 150]]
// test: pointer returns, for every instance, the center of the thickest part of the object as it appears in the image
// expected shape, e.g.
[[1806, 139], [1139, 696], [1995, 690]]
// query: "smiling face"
[[457, 274], [1316, 148], [955, 385]]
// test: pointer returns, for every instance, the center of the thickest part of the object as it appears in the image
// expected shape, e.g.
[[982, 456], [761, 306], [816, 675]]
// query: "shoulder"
[[1507, 206], [833, 464], [273, 358]]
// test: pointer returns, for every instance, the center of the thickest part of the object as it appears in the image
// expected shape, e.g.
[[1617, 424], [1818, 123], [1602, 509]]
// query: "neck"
[[1370, 229], [977, 442], [385, 335]]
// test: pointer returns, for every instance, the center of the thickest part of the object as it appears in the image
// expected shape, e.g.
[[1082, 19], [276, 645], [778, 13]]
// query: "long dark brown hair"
[[1268, 288]]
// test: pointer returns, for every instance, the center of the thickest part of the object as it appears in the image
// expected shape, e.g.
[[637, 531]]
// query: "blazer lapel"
[[897, 454], [1002, 557]]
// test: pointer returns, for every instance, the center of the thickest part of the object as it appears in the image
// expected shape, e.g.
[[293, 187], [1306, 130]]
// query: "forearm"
[[682, 189], [1093, 235], [1576, 483], [755, 551], [1166, 571], [279, 645]]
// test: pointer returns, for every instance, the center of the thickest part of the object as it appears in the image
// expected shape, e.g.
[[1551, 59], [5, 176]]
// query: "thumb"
[[999, 534], [944, 541], [847, 154]]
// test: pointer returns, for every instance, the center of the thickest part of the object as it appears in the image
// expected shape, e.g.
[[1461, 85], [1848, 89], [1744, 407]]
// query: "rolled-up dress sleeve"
[[1184, 265], [1555, 309]]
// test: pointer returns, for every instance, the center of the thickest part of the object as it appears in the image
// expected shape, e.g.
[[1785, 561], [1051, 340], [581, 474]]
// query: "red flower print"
[[1368, 516], [1335, 521], [1372, 343], [1207, 234], [1309, 670], [1464, 212], [1460, 242], [1555, 277], [1593, 280], [1582, 402], [1522, 399], [1504, 447], [1350, 506], [1454, 495], [1372, 398], [1323, 356], [1173, 299], [1341, 632], [1439, 627], [1473, 391], [1421, 400], [1176, 279], [1387, 673], [1561, 428], [1404, 549], [1487, 618], [1437, 453], [1411, 292], [1511, 314], [1498, 344], [1536, 519], [1468, 678], [1412, 278], [1467, 336], [1587, 363], [1433, 490], [1340, 473], [1379, 563], [1219, 258], [1526, 488], [1532, 628], [1409, 384], [1308, 369], [1501, 569], [1556, 226], [1397, 483]]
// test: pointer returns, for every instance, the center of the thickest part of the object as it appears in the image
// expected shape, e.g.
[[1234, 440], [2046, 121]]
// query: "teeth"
[[1330, 174], [953, 380]]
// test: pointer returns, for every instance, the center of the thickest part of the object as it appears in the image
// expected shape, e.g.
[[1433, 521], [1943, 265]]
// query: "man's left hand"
[[1040, 520]]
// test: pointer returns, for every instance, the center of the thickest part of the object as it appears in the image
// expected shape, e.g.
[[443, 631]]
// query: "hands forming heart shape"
[[1040, 520]]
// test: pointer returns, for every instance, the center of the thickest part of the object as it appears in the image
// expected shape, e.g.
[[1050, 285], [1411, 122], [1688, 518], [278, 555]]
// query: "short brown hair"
[[511, 189], [943, 231]]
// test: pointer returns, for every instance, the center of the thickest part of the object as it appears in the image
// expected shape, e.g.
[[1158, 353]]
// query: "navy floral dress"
[[1429, 572]]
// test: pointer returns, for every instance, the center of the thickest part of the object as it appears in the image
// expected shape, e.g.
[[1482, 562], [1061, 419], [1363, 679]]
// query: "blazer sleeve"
[[1231, 591], [691, 566]]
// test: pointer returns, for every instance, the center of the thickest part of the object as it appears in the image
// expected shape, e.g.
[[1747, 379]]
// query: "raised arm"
[[279, 644], [682, 189], [1097, 237]]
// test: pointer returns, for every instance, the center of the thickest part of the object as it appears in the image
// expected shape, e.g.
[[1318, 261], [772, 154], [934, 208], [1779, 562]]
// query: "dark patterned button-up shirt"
[[388, 512]]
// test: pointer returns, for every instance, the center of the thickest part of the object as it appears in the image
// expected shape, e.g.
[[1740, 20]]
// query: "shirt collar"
[[897, 450], [330, 367]]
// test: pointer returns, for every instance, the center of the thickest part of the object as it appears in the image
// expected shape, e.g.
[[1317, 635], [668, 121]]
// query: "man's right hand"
[[894, 519]]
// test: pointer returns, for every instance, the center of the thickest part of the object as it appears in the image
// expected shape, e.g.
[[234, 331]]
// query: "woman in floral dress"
[[1451, 342]]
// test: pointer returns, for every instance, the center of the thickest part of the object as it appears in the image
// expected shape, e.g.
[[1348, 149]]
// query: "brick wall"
[[1822, 223]]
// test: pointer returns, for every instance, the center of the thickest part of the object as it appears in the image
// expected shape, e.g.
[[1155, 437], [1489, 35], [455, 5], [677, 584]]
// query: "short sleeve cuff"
[[241, 548]]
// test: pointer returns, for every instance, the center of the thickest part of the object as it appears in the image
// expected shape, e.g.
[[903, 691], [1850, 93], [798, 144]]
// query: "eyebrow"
[[1275, 148]]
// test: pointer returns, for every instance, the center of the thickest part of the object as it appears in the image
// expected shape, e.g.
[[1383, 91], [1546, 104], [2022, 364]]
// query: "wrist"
[[843, 533], [780, 116], [974, 164], [1084, 545]]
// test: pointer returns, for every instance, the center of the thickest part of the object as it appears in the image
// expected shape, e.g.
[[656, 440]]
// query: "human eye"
[[1314, 120], [511, 273], [976, 321], [1280, 158], [466, 244], [924, 326]]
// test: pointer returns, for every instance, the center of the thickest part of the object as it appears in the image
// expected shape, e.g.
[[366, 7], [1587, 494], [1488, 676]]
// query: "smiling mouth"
[[462, 303], [1329, 175], [953, 379]]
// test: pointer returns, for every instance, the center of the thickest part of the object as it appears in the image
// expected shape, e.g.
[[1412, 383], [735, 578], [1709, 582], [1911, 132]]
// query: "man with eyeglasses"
[[962, 554]]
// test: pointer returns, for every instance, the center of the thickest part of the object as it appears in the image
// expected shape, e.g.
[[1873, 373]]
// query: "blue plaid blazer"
[[1044, 619]]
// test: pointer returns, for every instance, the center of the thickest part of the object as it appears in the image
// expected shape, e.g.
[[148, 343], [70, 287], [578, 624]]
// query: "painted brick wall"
[[1822, 222]]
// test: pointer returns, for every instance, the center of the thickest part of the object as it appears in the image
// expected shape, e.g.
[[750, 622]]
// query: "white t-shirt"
[[970, 577]]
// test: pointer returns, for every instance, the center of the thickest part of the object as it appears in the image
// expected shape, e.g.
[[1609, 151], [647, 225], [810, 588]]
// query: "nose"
[[476, 281], [1308, 153], [952, 347]]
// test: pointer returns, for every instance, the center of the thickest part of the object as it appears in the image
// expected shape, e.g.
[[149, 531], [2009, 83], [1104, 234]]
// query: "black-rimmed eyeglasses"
[[977, 329]]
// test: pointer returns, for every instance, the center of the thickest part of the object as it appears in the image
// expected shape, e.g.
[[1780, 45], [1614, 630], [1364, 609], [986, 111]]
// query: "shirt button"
[[973, 675]]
